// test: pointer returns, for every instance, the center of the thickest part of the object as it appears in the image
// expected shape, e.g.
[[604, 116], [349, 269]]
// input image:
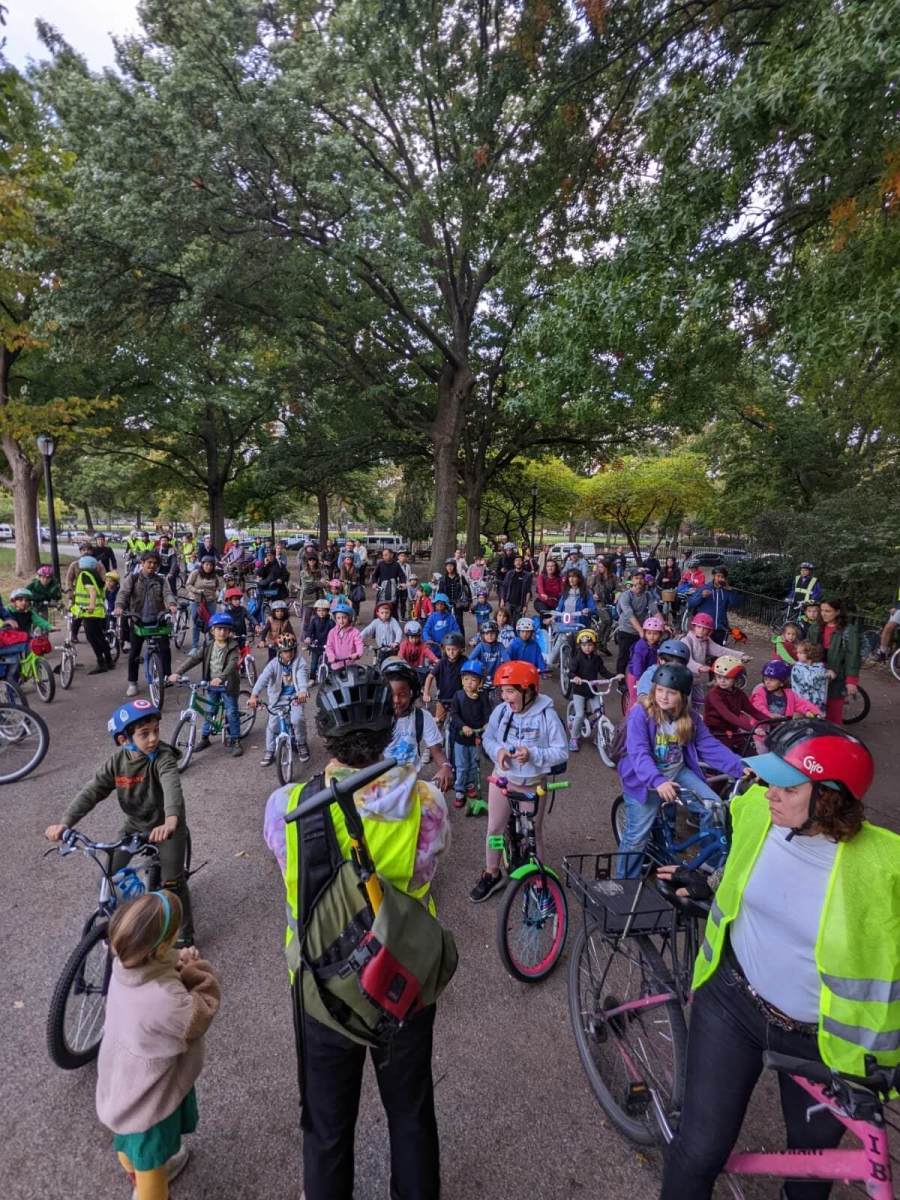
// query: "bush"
[[765, 576]]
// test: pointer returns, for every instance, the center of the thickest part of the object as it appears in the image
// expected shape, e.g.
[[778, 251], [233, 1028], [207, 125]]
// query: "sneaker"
[[174, 1166], [303, 753], [203, 744], [267, 759], [459, 800], [573, 744], [472, 793], [237, 750], [486, 886], [131, 690]]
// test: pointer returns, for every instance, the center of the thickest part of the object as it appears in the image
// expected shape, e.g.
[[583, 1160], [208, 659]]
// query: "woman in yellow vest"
[[89, 606], [801, 954]]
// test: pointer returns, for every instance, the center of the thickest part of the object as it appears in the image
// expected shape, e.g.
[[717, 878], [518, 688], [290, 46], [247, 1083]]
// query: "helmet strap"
[[811, 818]]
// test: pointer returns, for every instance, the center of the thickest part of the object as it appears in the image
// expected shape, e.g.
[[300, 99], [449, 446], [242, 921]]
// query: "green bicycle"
[[34, 667], [202, 707]]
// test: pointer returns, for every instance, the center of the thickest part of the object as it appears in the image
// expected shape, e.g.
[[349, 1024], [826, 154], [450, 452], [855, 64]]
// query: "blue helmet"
[[440, 597], [343, 606], [128, 714], [220, 619], [472, 667], [87, 562], [675, 649]]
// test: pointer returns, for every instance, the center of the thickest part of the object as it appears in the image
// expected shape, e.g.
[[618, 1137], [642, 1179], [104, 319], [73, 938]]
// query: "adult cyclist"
[[806, 588]]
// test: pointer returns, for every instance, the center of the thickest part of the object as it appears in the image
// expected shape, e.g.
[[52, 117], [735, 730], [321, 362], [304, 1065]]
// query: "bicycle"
[[209, 708], [857, 707], [596, 725], [78, 1005], [533, 920], [627, 1004], [248, 662], [24, 740], [563, 628], [182, 622], [33, 666], [285, 744], [791, 613], [690, 829], [112, 637], [153, 636], [69, 656]]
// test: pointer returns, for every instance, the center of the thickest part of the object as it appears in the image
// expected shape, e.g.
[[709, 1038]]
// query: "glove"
[[695, 883]]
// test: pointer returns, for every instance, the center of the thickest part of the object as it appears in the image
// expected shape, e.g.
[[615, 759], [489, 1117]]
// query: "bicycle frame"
[[519, 843]]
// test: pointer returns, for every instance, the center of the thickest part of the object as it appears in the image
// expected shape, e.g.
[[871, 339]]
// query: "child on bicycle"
[[143, 772], [317, 631], [727, 710], [384, 631], [673, 650], [506, 631], [644, 652], [489, 651], [286, 684], [23, 616], [665, 741], [703, 649], [421, 604], [587, 666], [524, 739], [240, 619], [481, 608], [776, 698], [220, 657], [470, 711], [784, 646], [343, 644], [277, 624], [336, 592], [45, 589], [159, 1005], [810, 676], [414, 651], [440, 623], [444, 676], [524, 648]]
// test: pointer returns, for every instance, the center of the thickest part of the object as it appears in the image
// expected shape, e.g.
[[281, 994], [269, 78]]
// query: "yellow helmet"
[[585, 635], [113, 575]]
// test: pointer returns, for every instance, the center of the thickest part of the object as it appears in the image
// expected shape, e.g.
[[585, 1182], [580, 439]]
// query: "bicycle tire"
[[115, 646], [593, 1034], [16, 725], [61, 1051], [859, 707], [565, 668], [44, 681], [66, 669], [524, 907], [284, 761], [250, 669], [617, 819], [179, 631], [894, 664], [605, 735], [12, 694], [184, 749], [321, 672], [246, 713], [155, 688]]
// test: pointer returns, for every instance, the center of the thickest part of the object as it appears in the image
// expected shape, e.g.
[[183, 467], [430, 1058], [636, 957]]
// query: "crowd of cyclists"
[[451, 669]]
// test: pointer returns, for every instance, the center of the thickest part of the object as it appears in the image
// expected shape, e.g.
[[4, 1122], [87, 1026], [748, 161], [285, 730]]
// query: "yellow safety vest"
[[858, 944], [801, 593], [81, 607], [392, 846]]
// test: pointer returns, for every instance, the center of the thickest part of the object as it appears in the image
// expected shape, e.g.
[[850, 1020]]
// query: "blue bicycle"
[[690, 830]]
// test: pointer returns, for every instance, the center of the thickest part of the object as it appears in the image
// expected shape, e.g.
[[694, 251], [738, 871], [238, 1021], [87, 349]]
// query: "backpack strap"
[[320, 855], [420, 728]]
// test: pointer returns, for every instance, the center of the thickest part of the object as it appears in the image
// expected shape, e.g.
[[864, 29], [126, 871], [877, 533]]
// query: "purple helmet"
[[776, 669]]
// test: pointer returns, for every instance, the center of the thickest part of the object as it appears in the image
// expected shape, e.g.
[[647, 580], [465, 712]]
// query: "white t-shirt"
[[403, 746], [774, 934]]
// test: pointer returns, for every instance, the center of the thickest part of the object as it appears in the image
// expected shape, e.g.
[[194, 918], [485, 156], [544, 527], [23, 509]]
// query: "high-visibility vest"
[[801, 593], [392, 846], [81, 607], [857, 949]]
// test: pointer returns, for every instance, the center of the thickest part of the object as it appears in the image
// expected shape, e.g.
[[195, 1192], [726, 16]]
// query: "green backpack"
[[363, 973]]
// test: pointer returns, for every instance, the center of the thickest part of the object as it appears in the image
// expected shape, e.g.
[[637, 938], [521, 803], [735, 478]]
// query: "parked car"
[[707, 559], [586, 550], [736, 555], [6, 533]]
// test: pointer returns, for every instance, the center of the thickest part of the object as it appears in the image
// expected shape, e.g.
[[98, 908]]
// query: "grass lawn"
[[8, 577]]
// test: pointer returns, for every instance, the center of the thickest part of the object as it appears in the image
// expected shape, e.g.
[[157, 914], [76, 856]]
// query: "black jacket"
[[456, 590], [587, 666], [466, 711]]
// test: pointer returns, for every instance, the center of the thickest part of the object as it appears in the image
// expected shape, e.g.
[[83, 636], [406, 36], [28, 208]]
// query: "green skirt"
[[155, 1146]]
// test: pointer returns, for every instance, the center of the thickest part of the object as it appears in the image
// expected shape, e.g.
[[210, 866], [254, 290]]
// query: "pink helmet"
[[44, 571], [703, 619], [656, 623]]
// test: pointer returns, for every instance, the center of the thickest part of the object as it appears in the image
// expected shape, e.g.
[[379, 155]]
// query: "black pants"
[[331, 1068], [460, 614], [625, 642], [402, 599], [95, 632], [136, 647], [725, 1047], [171, 864]]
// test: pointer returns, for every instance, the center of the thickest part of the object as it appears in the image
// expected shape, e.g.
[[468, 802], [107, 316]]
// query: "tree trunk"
[[137, 519], [474, 495], [216, 494], [215, 485], [454, 389], [25, 508], [322, 499], [88, 519]]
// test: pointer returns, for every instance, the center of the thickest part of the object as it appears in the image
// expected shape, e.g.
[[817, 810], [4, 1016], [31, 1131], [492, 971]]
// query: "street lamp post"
[[47, 445], [534, 492]]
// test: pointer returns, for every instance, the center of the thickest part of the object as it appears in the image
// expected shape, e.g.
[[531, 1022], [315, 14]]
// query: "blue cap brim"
[[773, 769]]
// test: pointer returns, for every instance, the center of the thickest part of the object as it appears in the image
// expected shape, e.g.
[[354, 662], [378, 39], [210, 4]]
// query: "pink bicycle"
[[629, 986]]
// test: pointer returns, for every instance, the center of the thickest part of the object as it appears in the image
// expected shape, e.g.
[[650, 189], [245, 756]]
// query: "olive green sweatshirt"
[[147, 792]]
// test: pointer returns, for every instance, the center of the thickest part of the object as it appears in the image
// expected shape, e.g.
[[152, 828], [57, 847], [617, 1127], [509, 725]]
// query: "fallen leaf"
[[242, 854], [19, 1004]]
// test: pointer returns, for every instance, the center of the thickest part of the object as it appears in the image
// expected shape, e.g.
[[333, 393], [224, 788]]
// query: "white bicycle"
[[595, 725]]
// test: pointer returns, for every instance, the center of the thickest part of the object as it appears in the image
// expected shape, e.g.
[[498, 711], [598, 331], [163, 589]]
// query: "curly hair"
[[839, 815], [359, 748]]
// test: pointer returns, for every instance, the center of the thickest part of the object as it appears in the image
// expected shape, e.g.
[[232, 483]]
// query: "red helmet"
[[703, 619], [728, 666], [234, 593], [816, 751], [518, 674]]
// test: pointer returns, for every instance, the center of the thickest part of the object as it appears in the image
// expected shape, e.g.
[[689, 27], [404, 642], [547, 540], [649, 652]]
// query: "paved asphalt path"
[[516, 1115]]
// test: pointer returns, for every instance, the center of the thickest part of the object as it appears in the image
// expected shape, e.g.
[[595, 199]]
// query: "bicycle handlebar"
[[882, 1080], [502, 784], [339, 789], [132, 842], [598, 687]]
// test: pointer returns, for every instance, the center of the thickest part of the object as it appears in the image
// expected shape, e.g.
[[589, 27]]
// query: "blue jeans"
[[639, 819], [465, 759], [196, 627], [232, 714]]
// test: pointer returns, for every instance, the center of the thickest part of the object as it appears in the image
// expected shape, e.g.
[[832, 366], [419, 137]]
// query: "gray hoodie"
[[538, 727]]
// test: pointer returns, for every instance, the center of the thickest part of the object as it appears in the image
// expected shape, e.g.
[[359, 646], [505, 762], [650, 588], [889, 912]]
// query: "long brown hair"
[[840, 610], [681, 719], [139, 926], [839, 815]]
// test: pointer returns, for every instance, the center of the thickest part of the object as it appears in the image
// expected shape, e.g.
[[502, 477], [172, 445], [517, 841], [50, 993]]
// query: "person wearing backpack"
[[406, 826], [415, 737]]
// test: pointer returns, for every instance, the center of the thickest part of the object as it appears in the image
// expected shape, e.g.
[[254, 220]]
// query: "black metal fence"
[[767, 609]]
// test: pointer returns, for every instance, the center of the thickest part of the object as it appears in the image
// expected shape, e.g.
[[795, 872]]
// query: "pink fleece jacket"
[[343, 644], [152, 1048], [795, 704]]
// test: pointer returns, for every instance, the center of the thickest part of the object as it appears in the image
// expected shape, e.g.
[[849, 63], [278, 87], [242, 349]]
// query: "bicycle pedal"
[[637, 1099]]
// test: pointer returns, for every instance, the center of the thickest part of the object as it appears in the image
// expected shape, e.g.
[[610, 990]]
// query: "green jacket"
[[44, 593], [842, 656], [147, 792], [231, 672]]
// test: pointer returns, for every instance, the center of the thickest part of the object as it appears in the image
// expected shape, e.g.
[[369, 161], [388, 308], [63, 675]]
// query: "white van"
[[376, 542], [585, 550], [6, 533]]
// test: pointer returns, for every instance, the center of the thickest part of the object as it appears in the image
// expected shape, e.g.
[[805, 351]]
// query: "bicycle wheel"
[[869, 641], [155, 679], [24, 740], [895, 664], [180, 627], [78, 1007], [856, 708], [247, 714], [565, 668], [66, 669], [112, 641], [617, 819], [250, 669], [284, 759], [532, 926], [322, 672], [11, 693], [604, 736], [44, 680], [633, 1057], [183, 740]]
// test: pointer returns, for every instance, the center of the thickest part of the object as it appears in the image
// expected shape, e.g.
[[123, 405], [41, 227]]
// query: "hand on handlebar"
[[161, 833], [693, 884], [54, 833], [668, 791]]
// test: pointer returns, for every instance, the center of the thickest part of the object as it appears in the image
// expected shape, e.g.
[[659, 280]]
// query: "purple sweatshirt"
[[638, 770], [643, 655]]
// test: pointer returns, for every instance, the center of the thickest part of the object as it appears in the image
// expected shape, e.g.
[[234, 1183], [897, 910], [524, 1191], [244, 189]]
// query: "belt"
[[772, 1014]]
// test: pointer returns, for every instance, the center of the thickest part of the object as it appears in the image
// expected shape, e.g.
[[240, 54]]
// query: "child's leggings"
[[498, 816], [149, 1185]]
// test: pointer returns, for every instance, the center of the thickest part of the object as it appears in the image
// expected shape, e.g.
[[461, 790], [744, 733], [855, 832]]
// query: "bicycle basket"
[[163, 629], [41, 644], [13, 641], [668, 595], [621, 907]]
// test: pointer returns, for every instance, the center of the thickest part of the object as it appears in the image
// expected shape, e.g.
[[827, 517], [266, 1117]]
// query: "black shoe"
[[303, 753], [486, 886], [98, 670], [236, 750], [203, 744]]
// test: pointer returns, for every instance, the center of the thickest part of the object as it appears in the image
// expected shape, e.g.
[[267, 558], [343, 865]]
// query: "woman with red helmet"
[[524, 739], [801, 954]]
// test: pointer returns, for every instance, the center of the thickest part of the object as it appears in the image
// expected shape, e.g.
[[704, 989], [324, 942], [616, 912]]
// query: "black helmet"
[[397, 670], [353, 699], [488, 627], [454, 639], [673, 675]]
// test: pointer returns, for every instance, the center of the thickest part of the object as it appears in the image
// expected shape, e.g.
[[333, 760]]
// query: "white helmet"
[[412, 628], [524, 623]]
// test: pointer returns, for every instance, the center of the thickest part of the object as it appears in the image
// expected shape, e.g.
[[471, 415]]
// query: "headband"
[[167, 918]]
